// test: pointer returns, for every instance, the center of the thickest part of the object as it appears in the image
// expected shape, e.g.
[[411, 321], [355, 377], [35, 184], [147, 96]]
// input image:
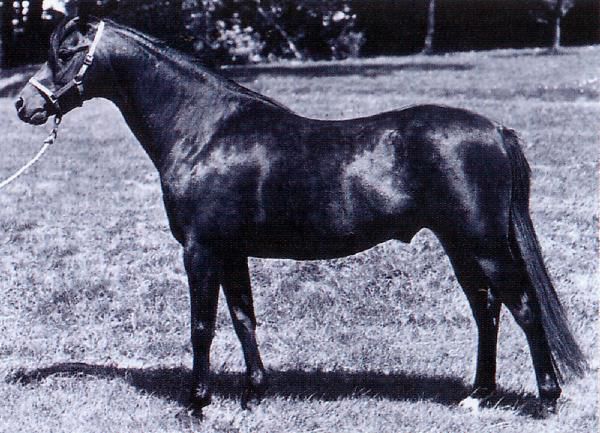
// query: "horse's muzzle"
[[36, 113], [38, 117]]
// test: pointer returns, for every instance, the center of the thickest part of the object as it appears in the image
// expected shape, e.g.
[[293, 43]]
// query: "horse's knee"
[[202, 332], [524, 315], [525, 312], [508, 284]]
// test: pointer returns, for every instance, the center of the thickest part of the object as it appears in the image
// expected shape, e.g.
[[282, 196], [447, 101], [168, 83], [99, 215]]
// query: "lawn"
[[93, 296]]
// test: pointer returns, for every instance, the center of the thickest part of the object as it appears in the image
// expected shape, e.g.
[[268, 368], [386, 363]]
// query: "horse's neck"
[[165, 105]]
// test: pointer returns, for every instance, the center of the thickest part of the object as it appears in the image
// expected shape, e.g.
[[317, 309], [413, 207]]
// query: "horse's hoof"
[[189, 417], [541, 408], [251, 397], [551, 406], [478, 398], [254, 391], [193, 411], [471, 404]]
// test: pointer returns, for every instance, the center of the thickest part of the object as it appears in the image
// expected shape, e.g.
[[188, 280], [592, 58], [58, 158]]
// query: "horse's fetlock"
[[483, 391], [201, 396], [258, 379]]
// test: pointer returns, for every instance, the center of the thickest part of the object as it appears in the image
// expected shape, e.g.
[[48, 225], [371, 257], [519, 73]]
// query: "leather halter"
[[77, 81]]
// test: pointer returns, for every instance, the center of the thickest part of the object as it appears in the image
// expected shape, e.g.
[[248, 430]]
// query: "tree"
[[560, 9], [428, 48], [21, 38], [552, 12], [6, 37]]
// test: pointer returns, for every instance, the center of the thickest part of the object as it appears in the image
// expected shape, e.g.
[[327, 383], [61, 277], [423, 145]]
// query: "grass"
[[94, 305]]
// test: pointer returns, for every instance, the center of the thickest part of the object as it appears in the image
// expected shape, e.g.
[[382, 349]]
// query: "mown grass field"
[[94, 304]]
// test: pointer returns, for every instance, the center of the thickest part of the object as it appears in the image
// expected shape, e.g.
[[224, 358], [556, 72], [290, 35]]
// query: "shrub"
[[236, 31]]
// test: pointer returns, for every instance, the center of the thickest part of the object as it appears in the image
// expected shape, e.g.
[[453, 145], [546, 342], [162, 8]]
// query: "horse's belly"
[[317, 243], [308, 249]]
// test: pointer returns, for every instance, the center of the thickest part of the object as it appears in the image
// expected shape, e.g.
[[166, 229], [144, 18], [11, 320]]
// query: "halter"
[[54, 99], [76, 82]]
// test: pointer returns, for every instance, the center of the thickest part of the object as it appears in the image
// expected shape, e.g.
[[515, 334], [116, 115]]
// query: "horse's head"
[[76, 70]]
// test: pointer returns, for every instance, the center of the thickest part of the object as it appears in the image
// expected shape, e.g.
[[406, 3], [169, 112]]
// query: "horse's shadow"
[[173, 383]]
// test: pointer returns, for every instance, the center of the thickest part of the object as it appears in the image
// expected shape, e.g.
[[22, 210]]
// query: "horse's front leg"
[[236, 285], [203, 268]]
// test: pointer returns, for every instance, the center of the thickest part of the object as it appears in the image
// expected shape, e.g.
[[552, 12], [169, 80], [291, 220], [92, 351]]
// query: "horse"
[[243, 176]]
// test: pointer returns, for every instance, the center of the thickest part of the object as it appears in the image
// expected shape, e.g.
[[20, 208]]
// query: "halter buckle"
[[89, 58]]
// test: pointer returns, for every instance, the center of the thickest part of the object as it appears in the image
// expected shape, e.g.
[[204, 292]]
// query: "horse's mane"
[[187, 63]]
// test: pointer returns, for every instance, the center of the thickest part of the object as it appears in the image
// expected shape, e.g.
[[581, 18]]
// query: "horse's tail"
[[567, 355]]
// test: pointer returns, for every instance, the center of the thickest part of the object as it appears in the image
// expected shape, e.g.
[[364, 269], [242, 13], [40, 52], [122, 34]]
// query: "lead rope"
[[47, 143]]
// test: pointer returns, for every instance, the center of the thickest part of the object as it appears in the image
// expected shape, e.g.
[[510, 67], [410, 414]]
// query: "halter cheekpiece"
[[76, 82]]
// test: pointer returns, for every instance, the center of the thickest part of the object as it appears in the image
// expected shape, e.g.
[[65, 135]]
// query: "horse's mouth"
[[38, 117]]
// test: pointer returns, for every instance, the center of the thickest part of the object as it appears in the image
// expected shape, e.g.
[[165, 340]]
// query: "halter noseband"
[[77, 81]]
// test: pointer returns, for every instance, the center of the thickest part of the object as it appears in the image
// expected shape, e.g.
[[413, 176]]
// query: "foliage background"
[[249, 31], [236, 31]]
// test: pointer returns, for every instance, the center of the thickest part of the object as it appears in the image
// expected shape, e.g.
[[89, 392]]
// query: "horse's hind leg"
[[509, 282], [486, 312], [236, 285]]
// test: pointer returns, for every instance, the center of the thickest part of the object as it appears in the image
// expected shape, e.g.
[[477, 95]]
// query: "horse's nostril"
[[19, 104]]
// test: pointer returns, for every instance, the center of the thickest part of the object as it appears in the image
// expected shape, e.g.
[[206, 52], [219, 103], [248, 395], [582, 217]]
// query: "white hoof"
[[471, 403]]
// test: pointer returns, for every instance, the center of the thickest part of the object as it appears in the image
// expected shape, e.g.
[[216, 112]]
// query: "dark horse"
[[243, 176]]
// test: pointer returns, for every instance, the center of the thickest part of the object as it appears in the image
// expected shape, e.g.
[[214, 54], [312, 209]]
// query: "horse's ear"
[[85, 9]]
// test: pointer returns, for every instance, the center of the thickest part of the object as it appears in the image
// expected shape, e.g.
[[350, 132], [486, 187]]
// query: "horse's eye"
[[66, 55]]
